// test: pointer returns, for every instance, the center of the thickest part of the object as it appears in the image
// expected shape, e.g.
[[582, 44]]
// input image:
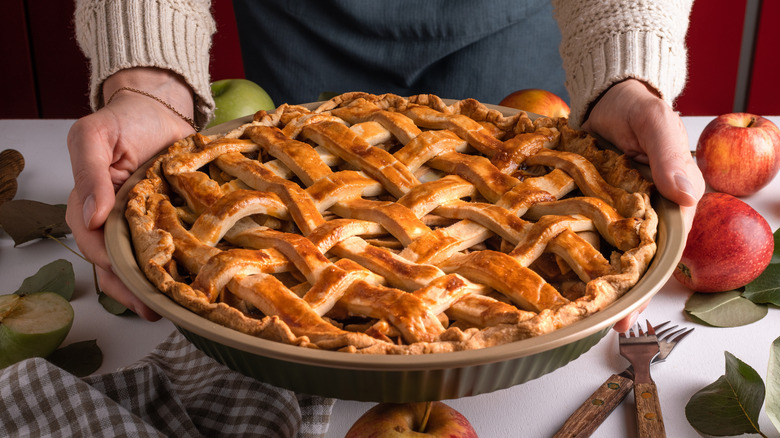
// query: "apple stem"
[[752, 122], [426, 415], [67, 247]]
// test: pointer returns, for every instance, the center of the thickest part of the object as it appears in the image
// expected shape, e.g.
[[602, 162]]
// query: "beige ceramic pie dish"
[[393, 378]]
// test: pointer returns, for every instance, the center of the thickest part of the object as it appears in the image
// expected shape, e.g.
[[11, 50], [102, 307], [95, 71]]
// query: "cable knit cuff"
[[605, 42], [168, 34]]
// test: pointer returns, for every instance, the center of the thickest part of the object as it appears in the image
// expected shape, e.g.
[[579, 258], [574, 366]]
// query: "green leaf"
[[773, 385], [80, 358], [776, 254], [111, 305], [766, 288], [724, 309], [57, 277], [26, 220], [730, 405]]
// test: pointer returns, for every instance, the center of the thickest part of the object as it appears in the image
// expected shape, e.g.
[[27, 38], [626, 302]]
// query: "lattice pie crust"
[[382, 224]]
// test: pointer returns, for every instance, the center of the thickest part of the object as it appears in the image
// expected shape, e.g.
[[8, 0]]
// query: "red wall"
[[714, 39], [50, 75], [764, 96], [16, 71], [226, 62]]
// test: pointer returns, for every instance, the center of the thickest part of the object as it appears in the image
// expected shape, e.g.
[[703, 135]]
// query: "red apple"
[[387, 420], [730, 244], [537, 101], [739, 153]]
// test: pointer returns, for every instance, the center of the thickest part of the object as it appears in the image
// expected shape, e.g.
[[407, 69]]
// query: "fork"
[[596, 408], [640, 348]]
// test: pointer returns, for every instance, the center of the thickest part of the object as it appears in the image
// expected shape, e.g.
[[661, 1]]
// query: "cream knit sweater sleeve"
[[607, 41], [169, 34]]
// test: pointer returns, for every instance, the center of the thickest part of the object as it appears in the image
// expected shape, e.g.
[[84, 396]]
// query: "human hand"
[[106, 147], [632, 117]]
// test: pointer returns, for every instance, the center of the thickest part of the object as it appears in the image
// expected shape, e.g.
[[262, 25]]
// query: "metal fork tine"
[[661, 325], [664, 331], [684, 334], [650, 329], [672, 334]]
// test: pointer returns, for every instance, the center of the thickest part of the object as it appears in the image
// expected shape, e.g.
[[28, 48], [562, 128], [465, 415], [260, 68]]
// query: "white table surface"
[[534, 409]]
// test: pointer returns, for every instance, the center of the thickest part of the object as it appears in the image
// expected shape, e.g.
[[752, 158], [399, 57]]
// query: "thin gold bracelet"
[[167, 105]]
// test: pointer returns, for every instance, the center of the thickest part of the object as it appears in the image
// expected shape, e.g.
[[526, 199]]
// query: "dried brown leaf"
[[26, 220]]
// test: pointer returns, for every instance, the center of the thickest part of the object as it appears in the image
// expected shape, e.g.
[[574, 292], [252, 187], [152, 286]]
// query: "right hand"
[[106, 147], [632, 116]]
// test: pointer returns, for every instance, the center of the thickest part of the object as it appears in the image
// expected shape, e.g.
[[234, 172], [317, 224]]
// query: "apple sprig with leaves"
[[731, 405], [25, 221]]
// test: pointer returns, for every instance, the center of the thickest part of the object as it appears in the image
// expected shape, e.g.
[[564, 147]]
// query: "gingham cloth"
[[176, 391]]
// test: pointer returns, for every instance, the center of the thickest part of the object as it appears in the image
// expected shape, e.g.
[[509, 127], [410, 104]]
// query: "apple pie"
[[393, 225]]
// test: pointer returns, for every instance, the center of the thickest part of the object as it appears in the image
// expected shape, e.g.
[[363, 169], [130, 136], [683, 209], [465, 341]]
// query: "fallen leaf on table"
[[724, 309], [730, 405], [57, 277], [765, 288], [111, 305], [26, 220], [79, 358]]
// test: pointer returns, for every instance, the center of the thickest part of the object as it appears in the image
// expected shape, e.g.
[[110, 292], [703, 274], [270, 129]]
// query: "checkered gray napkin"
[[176, 391]]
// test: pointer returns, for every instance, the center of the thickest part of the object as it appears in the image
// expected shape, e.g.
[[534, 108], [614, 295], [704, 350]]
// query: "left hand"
[[106, 147], [632, 116]]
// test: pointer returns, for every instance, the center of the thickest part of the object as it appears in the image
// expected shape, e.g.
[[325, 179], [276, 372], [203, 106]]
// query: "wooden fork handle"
[[650, 423], [589, 416]]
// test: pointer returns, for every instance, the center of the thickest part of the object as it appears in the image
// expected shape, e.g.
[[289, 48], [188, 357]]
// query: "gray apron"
[[484, 49]]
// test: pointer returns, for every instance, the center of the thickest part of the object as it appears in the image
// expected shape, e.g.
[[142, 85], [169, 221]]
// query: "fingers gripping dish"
[[390, 225]]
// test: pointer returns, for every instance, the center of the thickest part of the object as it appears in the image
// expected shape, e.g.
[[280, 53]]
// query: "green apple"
[[32, 325], [236, 98]]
